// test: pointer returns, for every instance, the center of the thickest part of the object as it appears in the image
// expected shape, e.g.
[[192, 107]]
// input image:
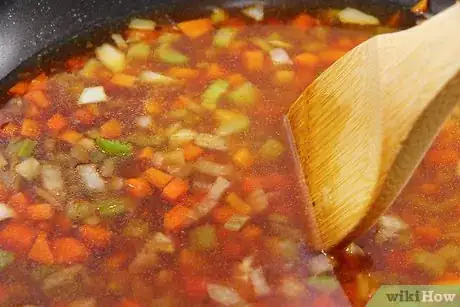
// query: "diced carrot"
[[116, 261], [196, 287], [17, 237], [95, 236], [441, 157], [30, 128], [183, 73], [152, 107], [175, 189], [251, 233], [32, 110], [40, 251], [70, 136], [330, 56], [428, 234], [62, 222], [234, 201], [9, 130], [123, 80], [138, 187], [19, 202], [243, 158], [176, 218], [268, 182], [111, 129], [236, 80], [19, 88], [253, 60], [395, 20], [84, 116], [157, 178], [38, 83], [196, 28], [222, 214], [215, 71], [57, 122], [69, 250], [146, 153], [192, 152], [128, 303], [307, 59], [40, 212], [44, 226], [38, 98], [75, 63], [304, 21]]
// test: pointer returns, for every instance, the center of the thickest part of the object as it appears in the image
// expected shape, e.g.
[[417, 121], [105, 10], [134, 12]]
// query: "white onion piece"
[[142, 24], [28, 169], [223, 295], [389, 226], [6, 212], [161, 243], [319, 265], [279, 56], [90, 176], [353, 16], [92, 95], [181, 137], [52, 178], [155, 78], [255, 12], [236, 222], [259, 282], [244, 269], [212, 168], [208, 203], [87, 143], [144, 121], [111, 57], [119, 41], [258, 200], [211, 141]]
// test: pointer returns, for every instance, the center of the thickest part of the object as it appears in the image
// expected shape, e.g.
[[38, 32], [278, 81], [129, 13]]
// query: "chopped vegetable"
[[176, 218], [211, 199], [224, 36], [213, 94], [6, 212], [123, 80], [212, 168], [17, 237], [92, 95], [353, 16], [210, 141], [6, 258], [113, 147], [258, 200], [40, 212], [161, 243], [253, 60], [181, 137], [195, 28], [79, 210], [174, 158], [119, 41], [284, 76], [136, 229], [91, 177], [156, 78], [255, 12], [192, 152], [142, 24], [57, 122], [145, 139], [319, 265], [244, 96], [52, 178], [145, 121], [243, 158], [30, 128], [111, 57], [175, 189], [111, 129], [271, 150], [111, 207], [231, 122], [69, 250], [203, 238], [64, 277], [224, 295], [41, 251], [167, 54], [259, 282], [138, 187], [95, 236], [138, 51], [218, 15], [71, 136], [293, 288], [38, 98], [279, 56], [236, 222], [390, 227], [157, 177]]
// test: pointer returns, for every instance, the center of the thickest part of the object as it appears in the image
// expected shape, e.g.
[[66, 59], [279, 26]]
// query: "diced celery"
[[142, 24], [213, 93], [210, 141], [79, 210], [236, 222], [111, 57], [224, 37], [431, 263], [271, 150], [218, 15], [26, 148], [136, 229], [323, 283], [112, 207], [203, 238], [138, 51], [169, 55], [231, 122], [244, 96], [114, 147], [6, 258], [28, 169], [145, 139]]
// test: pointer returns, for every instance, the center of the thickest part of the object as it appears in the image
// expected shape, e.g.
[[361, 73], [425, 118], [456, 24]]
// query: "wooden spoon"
[[364, 125]]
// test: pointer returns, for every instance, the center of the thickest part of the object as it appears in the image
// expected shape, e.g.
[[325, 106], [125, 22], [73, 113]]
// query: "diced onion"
[[52, 178], [29, 168], [211, 141], [212, 168], [142, 24], [236, 222], [182, 136], [90, 176], [92, 95], [155, 78], [208, 203], [6, 212], [144, 121], [258, 200], [161, 243], [353, 16], [108, 168], [255, 12], [259, 281], [111, 57], [389, 227], [279, 56], [319, 265], [223, 295], [119, 41]]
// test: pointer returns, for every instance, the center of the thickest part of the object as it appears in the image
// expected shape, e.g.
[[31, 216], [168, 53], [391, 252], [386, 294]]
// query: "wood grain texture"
[[364, 125]]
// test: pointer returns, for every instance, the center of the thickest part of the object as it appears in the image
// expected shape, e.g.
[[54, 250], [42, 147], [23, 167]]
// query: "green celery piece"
[[224, 37], [169, 55], [111, 207], [203, 238], [236, 125], [145, 139], [6, 258], [325, 284], [80, 210], [26, 148], [271, 150], [244, 96], [213, 93], [114, 148]]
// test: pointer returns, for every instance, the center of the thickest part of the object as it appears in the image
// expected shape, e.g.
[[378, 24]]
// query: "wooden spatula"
[[363, 126]]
